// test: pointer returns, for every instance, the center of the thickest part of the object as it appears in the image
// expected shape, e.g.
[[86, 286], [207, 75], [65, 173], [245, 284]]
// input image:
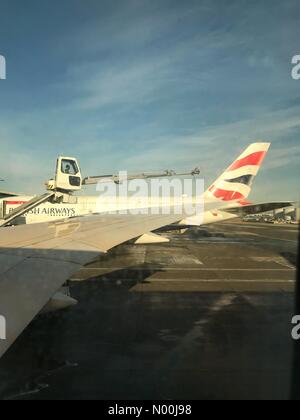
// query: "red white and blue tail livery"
[[226, 198], [236, 182]]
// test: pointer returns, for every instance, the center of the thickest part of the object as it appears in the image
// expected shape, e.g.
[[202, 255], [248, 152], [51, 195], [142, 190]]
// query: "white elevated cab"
[[68, 176]]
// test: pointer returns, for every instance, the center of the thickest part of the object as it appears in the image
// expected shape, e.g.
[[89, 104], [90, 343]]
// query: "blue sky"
[[149, 85]]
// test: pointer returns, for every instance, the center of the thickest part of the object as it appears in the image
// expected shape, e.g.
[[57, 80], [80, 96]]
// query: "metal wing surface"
[[36, 260]]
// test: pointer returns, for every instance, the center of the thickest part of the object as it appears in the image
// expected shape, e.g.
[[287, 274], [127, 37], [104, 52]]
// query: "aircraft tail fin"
[[236, 182]]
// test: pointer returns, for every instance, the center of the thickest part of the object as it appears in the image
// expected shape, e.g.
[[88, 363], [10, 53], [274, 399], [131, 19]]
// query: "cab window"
[[69, 167]]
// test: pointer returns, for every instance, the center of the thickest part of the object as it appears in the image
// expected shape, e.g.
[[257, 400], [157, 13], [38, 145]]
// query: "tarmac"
[[206, 316]]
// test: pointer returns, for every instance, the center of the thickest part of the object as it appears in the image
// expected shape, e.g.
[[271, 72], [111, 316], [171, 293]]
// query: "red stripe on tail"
[[255, 159], [226, 195]]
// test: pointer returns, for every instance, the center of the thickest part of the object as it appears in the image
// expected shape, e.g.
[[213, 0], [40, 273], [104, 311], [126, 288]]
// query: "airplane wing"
[[36, 260]]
